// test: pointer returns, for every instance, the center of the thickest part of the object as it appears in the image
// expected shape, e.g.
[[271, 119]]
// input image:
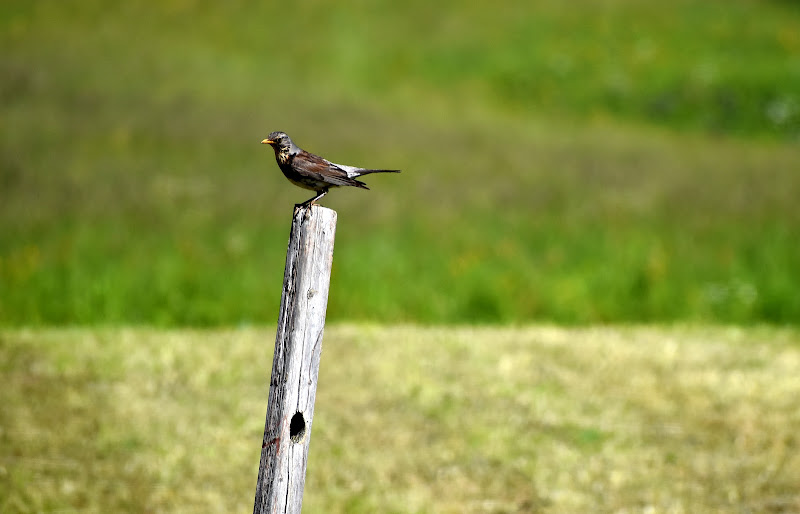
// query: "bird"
[[311, 171]]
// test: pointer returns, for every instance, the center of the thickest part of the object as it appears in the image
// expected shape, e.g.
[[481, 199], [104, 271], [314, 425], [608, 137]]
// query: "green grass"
[[527, 419], [607, 162]]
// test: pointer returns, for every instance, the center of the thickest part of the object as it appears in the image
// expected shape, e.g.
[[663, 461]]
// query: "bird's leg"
[[311, 201]]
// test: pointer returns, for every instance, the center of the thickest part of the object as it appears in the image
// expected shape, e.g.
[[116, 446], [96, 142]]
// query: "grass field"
[[527, 419], [568, 164], [613, 162]]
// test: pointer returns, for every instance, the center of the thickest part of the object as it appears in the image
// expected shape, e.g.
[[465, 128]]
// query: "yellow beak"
[[267, 142]]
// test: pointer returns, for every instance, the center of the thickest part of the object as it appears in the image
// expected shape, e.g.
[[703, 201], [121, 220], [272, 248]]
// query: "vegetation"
[[575, 163], [540, 419], [613, 162]]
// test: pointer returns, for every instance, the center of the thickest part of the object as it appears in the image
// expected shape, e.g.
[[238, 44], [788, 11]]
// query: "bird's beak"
[[267, 142]]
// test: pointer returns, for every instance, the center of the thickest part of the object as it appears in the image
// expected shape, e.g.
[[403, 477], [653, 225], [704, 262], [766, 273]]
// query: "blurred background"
[[565, 164], [589, 162]]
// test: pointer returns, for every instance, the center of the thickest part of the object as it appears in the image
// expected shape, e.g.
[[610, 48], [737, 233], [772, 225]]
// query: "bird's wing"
[[323, 170]]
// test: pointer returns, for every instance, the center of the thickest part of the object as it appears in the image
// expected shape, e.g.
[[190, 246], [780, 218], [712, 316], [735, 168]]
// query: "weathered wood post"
[[295, 365]]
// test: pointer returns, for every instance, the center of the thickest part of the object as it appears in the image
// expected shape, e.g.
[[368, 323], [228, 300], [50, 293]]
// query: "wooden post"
[[295, 365]]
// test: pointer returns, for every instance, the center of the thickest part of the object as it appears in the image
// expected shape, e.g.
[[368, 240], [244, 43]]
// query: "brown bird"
[[311, 171]]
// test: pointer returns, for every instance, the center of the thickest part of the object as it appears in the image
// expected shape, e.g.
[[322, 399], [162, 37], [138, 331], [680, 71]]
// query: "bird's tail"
[[367, 172]]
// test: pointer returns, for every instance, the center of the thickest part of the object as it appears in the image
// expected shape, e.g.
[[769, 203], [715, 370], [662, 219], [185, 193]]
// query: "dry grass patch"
[[408, 419]]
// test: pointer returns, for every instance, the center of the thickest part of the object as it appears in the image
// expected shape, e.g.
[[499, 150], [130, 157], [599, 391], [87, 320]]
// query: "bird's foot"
[[312, 201]]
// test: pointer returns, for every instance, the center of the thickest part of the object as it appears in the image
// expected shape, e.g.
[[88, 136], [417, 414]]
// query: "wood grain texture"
[[295, 365]]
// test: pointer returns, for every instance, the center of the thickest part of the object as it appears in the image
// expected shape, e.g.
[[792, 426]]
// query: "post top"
[[313, 211]]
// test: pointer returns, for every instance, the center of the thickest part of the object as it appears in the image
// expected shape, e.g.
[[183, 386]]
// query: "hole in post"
[[297, 427]]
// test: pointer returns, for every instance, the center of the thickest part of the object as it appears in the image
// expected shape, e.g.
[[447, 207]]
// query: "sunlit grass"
[[612, 162], [529, 419]]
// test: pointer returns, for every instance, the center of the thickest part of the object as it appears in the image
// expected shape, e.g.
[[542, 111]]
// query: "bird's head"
[[279, 141]]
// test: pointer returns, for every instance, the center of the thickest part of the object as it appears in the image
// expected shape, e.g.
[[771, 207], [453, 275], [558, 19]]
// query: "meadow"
[[408, 419], [581, 294], [608, 163]]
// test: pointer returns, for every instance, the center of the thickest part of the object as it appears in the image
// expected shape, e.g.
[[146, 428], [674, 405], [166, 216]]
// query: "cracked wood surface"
[[295, 365]]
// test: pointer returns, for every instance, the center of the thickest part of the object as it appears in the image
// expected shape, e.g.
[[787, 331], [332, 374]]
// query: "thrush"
[[311, 171]]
